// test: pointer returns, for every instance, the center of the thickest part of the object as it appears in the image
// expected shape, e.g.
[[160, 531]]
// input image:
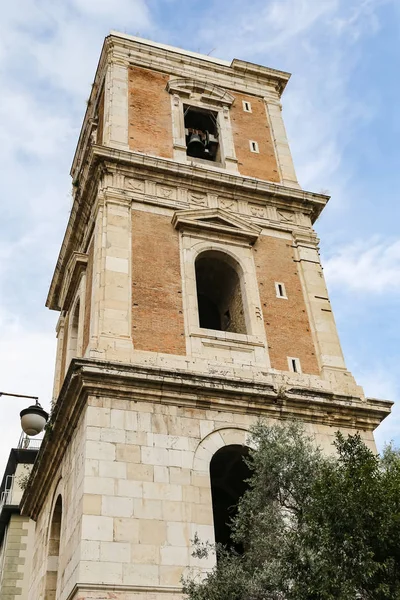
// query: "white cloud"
[[366, 266]]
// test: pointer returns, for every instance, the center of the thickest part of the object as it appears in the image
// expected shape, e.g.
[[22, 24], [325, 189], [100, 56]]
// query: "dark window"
[[229, 474], [201, 133], [219, 296]]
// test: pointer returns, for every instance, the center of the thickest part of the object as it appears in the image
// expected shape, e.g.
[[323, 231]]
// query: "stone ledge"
[[136, 383]]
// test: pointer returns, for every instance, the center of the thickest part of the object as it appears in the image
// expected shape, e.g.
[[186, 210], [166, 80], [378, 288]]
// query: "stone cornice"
[[135, 383], [107, 588], [146, 53], [102, 160]]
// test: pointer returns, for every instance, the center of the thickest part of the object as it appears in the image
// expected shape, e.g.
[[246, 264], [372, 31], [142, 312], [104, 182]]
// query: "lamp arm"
[[20, 396]]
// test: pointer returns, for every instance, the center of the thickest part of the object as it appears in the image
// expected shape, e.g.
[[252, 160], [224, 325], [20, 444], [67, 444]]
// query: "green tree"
[[313, 527]]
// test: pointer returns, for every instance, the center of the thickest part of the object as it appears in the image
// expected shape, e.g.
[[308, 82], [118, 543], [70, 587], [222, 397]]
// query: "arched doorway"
[[229, 474]]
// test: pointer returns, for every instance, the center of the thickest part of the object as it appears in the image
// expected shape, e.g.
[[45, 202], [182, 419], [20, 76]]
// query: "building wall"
[[286, 320], [69, 483], [157, 312], [16, 558], [147, 489], [253, 126], [150, 125]]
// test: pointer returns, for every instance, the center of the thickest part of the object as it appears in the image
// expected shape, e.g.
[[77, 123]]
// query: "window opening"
[[246, 106], [219, 296], [229, 474], [254, 146], [201, 133], [280, 290], [294, 364]]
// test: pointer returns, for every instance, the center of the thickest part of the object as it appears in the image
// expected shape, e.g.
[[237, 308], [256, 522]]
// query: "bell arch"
[[219, 292]]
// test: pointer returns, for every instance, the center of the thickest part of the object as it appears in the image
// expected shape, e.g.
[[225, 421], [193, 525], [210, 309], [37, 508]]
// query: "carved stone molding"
[[208, 92], [218, 221]]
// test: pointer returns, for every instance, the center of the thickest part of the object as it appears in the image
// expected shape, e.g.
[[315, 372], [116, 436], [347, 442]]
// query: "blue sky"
[[341, 113]]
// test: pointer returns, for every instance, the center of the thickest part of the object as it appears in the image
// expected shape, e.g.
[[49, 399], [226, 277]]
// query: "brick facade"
[[286, 321], [150, 125], [253, 126], [157, 313]]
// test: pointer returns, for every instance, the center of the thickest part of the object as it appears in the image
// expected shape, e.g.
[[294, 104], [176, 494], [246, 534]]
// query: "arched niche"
[[53, 551]]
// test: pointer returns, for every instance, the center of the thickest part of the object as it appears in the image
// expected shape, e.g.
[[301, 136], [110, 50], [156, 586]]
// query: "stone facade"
[[145, 394], [16, 531]]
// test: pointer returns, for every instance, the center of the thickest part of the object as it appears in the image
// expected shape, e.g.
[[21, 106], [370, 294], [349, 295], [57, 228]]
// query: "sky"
[[341, 113]]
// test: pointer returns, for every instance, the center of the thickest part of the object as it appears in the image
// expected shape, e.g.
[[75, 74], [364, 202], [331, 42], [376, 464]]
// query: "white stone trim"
[[250, 348], [197, 94], [116, 103], [280, 142], [214, 441]]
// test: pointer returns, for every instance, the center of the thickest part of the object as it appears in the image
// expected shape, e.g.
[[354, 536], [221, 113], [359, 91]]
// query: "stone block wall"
[[147, 490], [68, 482], [16, 558]]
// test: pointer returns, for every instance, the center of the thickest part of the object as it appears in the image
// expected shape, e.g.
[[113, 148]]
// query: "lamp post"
[[33, 418]]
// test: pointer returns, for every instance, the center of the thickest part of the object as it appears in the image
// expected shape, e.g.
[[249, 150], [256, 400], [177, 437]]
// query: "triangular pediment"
[[216, 220]]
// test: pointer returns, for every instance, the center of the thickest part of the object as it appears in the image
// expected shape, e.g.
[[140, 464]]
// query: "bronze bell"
[[195, 145]]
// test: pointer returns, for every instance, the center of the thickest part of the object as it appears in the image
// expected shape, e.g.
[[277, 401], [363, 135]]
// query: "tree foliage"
[[313, 527]]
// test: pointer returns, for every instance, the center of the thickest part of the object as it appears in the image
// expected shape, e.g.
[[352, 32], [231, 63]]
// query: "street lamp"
[[33, 418]]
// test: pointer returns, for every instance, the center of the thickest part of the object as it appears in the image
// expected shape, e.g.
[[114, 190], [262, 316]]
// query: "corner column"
[[322, 323], [116, 118], [283, 155], [112, 282]]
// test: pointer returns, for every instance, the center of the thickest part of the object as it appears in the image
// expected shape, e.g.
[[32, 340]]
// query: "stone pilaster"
[[282, 151], [116, 106]]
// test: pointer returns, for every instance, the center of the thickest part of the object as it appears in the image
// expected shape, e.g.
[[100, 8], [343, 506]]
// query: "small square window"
[[246, 106], [280, 290], [294, 364], [254, 146]]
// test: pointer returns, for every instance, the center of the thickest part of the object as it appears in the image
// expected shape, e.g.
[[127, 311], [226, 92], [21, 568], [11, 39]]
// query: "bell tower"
[[192, 301]]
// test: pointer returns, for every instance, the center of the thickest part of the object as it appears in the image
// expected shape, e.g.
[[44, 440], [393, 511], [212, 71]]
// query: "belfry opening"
[[219, 295]]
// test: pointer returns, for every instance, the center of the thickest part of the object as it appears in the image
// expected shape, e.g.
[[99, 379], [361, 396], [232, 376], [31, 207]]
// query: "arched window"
[[219, 296], [229, 474], [53, 551]]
